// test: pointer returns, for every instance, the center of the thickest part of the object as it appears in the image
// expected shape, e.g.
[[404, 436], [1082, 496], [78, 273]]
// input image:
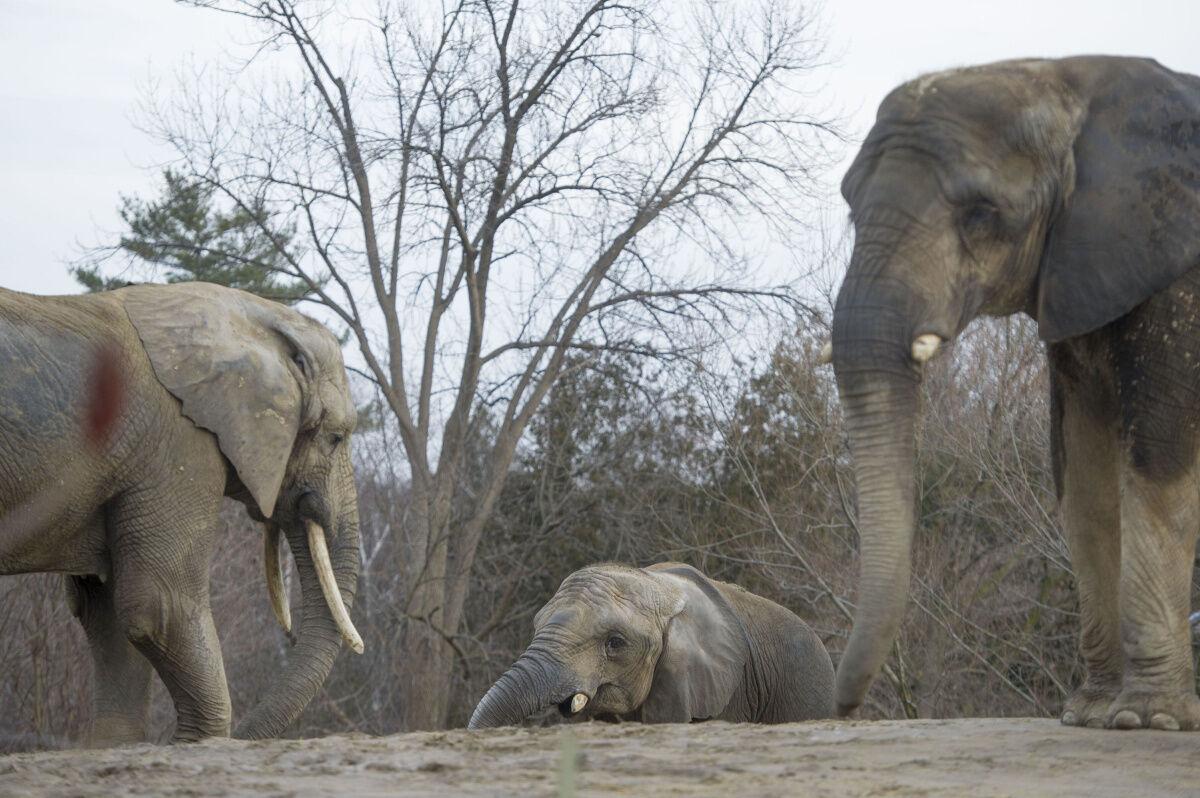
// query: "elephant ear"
[[1131, 225], [233, 361], [705, 650]]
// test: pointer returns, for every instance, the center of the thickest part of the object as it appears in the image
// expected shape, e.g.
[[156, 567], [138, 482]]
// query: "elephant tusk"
[[925, 346], [826, 355], [273, 562], [578, 703], [333, 596]]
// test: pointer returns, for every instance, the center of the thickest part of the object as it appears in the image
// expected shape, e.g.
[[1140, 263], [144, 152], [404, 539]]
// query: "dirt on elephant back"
[[1010, 757]]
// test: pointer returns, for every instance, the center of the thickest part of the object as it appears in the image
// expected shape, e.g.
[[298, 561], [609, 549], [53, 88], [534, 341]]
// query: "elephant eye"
[[300, 362], [614, 644], [979, 216], [336, 440]]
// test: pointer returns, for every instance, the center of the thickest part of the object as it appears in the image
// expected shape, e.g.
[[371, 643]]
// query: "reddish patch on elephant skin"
[[105, 398]]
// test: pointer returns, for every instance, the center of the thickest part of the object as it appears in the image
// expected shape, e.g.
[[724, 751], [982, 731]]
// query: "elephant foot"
[[1140, 709], [1088, 706]]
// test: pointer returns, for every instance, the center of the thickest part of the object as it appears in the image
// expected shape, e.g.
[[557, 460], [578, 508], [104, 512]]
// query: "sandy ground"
[[1013, 757]]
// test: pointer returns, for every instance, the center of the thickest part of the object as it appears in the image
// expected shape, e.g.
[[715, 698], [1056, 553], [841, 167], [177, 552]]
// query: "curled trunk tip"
[[524, 690]]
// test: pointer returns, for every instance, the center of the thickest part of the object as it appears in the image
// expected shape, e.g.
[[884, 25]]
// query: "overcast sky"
[[72, 72]]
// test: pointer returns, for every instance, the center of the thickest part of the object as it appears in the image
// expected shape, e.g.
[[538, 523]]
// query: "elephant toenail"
[[1126, 719], [1069, 719], [1163, 721]]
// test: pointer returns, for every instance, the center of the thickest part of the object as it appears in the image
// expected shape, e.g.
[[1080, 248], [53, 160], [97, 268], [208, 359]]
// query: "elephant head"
[[1068, 189], [614, 640], [269, 383]]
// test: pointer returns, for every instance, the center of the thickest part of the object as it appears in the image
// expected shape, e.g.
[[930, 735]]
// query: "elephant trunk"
[[320, 636], [876, 362], [526, 689]]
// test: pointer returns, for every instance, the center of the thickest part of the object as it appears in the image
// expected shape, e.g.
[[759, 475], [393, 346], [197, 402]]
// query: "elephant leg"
[[1159, 522], [1085, 436], [121, 683], [160, 573], [173, 628]]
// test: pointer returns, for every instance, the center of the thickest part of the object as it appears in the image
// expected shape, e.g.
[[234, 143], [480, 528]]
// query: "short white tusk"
[[578, 703], [273, 562], [826, 355], [333, 596], [925, 346]]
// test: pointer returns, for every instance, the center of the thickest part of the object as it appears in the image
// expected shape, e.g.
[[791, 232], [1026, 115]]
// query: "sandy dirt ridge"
[[992, 757]]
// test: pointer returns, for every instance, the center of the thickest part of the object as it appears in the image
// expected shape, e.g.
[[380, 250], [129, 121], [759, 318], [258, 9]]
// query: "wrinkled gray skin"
[[1068, 190], [663, 644], [226, 394]]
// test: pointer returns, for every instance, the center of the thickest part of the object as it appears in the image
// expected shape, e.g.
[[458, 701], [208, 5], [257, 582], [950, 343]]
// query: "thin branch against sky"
[[71, 73]]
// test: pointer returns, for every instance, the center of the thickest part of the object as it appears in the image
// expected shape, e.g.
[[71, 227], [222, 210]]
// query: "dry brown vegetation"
[[749, 481]]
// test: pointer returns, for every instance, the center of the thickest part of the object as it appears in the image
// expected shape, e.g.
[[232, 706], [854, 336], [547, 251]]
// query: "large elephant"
[[1068, 190], [663, 644], [224, 394]]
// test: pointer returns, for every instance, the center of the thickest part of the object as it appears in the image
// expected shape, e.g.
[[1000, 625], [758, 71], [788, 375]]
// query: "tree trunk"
[[425, 672], [426, 678]]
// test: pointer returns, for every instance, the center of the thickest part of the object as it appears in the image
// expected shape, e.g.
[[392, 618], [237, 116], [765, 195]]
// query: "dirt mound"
[[1010, 757]]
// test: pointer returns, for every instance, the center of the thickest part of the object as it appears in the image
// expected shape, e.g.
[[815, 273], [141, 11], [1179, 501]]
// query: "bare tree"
[[486, 187]]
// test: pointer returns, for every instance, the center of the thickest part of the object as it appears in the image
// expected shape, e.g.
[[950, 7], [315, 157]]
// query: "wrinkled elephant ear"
[[705, 649], [235, 362], [1128, 229]]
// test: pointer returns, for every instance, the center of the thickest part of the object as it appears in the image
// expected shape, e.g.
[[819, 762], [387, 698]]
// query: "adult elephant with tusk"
[[663, 644], [1069, 190], [224, 394]]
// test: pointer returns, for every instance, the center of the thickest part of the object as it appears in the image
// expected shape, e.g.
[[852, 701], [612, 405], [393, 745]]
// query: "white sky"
[[72, 72]]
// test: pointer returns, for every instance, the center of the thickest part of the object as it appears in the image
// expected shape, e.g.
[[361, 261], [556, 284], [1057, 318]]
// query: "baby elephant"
[[663, 644]]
